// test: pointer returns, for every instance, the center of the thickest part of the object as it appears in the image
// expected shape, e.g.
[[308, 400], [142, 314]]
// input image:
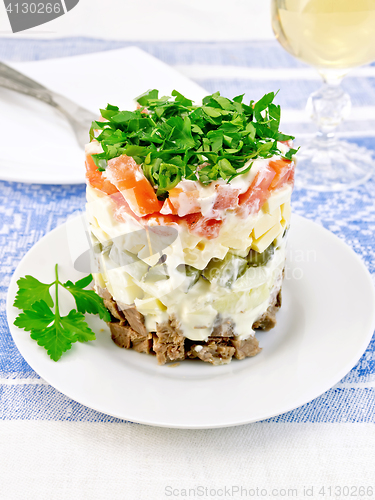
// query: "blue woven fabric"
[[27, 212]]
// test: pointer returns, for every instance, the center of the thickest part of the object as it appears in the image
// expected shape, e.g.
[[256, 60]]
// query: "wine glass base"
[[332, 165]]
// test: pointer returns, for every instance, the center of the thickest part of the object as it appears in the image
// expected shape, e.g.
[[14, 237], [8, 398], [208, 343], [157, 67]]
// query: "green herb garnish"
[[170, 139], [52, 331]]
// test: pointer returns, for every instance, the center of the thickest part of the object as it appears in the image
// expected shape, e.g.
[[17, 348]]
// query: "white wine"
[[328, 34]]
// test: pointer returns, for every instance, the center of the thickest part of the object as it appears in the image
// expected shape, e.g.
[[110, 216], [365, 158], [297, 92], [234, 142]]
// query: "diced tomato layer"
[[121, 207], [227, 197], [181, 202], [96, 179], [168, 208], [196, 223], [203, 226], [282, 169], [252, 200], [133, 195], [129, 178]]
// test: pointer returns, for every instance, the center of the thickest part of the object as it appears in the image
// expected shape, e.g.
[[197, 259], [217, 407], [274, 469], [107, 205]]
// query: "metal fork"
[[79, 118]]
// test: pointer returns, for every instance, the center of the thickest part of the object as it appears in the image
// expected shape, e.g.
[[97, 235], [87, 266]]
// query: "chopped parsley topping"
[[173, 139]]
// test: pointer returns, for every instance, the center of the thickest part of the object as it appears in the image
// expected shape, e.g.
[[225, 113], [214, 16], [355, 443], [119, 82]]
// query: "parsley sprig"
[[170, 139], [41, 315]]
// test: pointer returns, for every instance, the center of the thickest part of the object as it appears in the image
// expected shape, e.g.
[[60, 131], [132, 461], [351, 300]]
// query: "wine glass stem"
[[328, 107]]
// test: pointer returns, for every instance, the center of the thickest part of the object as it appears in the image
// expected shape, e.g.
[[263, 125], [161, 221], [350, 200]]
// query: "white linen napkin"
[[38, 143]]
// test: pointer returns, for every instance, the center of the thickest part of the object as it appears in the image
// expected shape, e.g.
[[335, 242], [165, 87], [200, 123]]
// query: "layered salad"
[[189, 208]]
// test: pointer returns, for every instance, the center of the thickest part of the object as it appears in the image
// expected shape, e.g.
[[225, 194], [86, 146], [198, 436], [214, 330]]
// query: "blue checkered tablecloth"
[[27, 212]]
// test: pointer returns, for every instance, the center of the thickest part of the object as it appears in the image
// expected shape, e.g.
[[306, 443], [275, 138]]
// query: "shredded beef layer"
[[169, 344]]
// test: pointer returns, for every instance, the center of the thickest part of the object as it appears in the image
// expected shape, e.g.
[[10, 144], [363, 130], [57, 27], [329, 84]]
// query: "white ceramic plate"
[[325, 324], [48, 152]]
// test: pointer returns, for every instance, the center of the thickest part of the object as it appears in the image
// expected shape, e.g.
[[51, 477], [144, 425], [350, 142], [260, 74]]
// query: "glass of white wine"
[[334, 36]]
